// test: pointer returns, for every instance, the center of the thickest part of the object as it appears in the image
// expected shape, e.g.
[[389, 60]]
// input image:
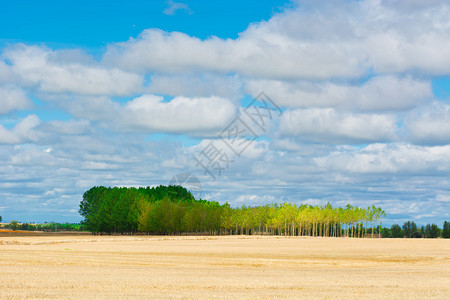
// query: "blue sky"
[[134, 93], [71, 24]]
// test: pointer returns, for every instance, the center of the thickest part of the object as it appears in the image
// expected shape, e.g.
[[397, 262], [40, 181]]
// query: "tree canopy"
[[173, 210]]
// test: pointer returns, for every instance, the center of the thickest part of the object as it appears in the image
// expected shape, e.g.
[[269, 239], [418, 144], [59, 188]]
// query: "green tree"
[[144, 216], [226, 218], [386, 233], [370, 216], [173, 210], [192, 219], [90, 208], [410, 229], [379, 214], [446, 230], [14, 225], [432, 231], [396, 231]]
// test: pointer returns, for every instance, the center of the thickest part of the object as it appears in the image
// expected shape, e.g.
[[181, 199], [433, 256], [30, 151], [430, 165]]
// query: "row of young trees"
[[173, 210]]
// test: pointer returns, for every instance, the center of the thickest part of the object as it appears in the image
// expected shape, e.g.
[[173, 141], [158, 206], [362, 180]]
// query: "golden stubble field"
[[129, 267]]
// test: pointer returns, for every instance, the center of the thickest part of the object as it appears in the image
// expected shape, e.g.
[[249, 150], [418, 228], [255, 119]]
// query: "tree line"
[[52, 226], [411, 230], [173, 210]]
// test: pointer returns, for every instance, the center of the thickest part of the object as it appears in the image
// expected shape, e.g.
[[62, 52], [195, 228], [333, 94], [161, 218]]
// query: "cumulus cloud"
[[180, 115], [429, 124], [253, 149], [412, 4], [195, 116], [68, 72], [192, 85], [156, 50], [380, 93], [341, 40], [331, 126], [13, 98], [71, 127], [6, 75], [22, 132], [389, 158], [91, 108]]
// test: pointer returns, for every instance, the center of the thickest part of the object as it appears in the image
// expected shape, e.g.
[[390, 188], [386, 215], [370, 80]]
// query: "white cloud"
[[342, 39], [252, 150], [13, 98], [24, 131], [205, 85], [304, 149], [429, 124], [443, 198], [180, 115], [195, 116], [69, 72], [71, 127], [7, 137], [160, 51], [389, 158], [412, 4], [93, 165], [173, 7], [331, 126], [6, 75], [156, 50], [381, 93], [313, 202], [99, 108]]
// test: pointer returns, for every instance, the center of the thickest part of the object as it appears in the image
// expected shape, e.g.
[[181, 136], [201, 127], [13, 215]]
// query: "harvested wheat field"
[[223, 267]]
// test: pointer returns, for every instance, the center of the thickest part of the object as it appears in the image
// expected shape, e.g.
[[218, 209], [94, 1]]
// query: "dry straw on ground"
[[124, 267]]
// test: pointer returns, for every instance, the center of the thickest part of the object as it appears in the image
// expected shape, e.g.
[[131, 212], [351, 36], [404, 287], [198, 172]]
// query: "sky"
[[247, 102]]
